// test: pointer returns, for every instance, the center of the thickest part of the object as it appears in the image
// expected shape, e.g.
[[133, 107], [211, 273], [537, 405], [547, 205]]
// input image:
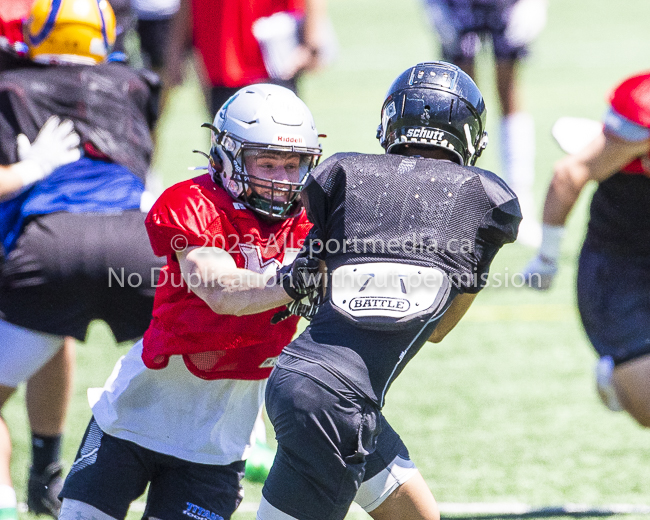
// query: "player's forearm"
[[569, 179], [450, 319], [211, 274], [315, 16], [10, 181], [242, 292], [570, 175]]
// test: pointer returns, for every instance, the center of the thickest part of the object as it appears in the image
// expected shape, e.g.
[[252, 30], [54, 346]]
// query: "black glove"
[[302, 281], [301, 278], [305, 308]]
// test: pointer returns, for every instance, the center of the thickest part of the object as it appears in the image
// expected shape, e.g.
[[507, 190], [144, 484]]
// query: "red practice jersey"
[[222, 33], [12, 14], [197, 212]]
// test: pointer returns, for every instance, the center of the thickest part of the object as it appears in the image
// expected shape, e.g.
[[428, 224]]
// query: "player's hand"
[[305, 308], [302, 281], [301, 278], [55, 145], [540, 272]]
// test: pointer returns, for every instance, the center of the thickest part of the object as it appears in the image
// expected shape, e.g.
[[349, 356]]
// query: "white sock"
[[7, 497], [517, 141]]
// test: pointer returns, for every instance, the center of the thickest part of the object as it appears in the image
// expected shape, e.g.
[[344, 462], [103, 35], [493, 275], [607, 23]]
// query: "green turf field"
[[504, 410]]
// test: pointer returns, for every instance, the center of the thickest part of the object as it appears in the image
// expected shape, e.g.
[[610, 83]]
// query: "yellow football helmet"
[[70, 31]]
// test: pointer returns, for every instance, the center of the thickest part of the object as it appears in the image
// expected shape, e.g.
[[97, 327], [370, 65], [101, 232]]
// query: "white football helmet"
[[262, 117]]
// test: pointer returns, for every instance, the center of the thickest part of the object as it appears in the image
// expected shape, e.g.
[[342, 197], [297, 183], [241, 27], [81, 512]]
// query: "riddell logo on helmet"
[[425, 133], [288, 139]]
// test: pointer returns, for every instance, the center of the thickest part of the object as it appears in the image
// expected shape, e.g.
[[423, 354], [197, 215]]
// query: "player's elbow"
[[437, 336], [217, 300], [226, 310], [224, 306]]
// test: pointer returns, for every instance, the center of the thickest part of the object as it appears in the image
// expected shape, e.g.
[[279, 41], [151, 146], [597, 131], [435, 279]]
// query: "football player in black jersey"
[[613, 279], [406, 240]]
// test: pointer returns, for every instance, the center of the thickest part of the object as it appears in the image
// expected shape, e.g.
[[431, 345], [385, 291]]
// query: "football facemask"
[[272, 180]]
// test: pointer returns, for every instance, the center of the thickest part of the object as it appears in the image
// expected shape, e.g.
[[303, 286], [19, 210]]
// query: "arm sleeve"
[[490, 239], [324, 197], [321, 193], [313, 246], [498, 227]]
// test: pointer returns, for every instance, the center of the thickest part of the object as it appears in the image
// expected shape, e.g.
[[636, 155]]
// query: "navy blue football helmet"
[[434, 104]]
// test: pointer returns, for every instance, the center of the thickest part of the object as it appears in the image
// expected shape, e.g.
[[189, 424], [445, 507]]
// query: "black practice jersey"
[[392, 221], [619, 218], [113, 108]]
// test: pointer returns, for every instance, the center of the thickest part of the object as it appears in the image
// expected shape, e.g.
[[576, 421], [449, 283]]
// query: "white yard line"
[[514, 508]]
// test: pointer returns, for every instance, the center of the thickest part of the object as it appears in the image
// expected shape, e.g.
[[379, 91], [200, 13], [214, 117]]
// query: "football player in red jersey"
[[179, 409], [614, 266]]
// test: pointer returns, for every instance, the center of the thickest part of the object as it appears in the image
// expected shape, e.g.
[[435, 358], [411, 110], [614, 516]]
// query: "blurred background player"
[[56, 144], [153, 25], [614, 267], [228, 56], [383, 302], [12, 46], [62, 232], [179, 409], [510, 25]]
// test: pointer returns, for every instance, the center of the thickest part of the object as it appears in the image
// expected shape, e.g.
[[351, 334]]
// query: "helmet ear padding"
[[215, 166], [222, 165]]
